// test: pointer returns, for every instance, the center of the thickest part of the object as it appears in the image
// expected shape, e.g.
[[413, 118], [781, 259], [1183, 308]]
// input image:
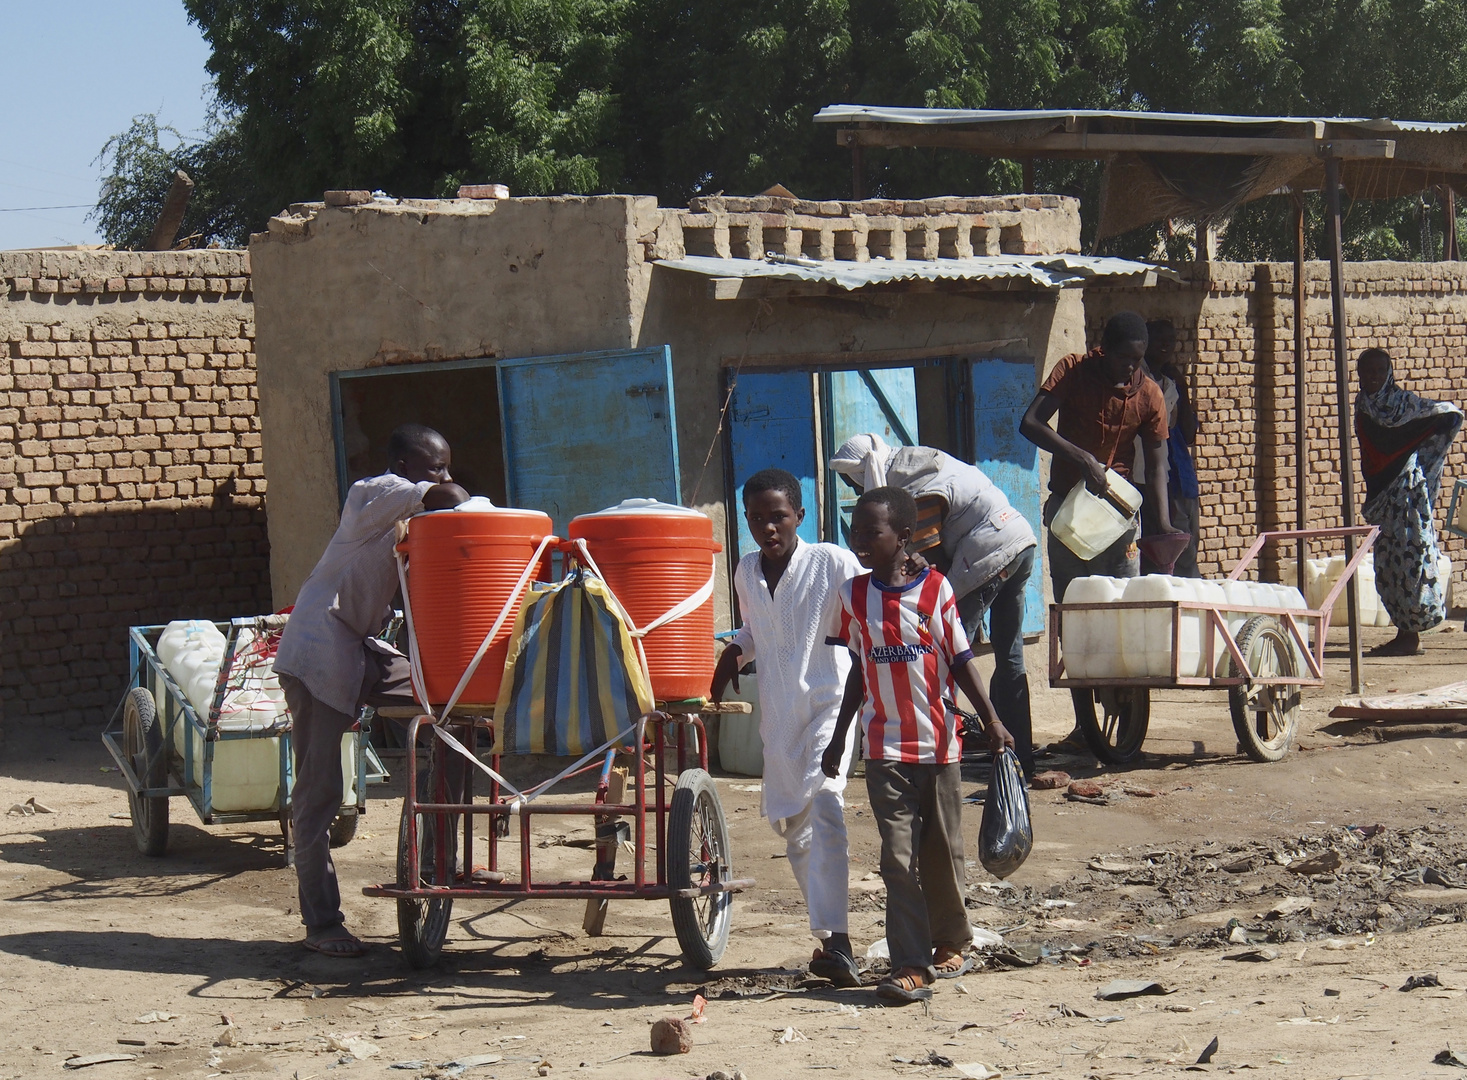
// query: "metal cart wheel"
[[698, 854], [344, 829], [142, 743], [422, 925], [1116, 734], [1266, 718]]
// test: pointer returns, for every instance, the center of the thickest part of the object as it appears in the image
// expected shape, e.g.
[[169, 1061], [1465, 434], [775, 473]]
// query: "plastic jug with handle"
[[1087, 523]]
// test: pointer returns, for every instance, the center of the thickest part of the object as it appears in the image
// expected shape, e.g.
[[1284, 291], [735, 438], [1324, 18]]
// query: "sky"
[[73, 75]]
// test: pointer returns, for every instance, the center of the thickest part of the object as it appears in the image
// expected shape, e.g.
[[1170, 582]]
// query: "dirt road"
[[1172, 887]]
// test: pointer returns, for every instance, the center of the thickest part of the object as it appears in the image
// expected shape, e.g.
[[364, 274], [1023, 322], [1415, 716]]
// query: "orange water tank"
[[654, 556], [462, 567]]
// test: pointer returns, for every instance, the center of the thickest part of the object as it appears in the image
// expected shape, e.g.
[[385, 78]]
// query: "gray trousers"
[[315, 799], [918, 809]]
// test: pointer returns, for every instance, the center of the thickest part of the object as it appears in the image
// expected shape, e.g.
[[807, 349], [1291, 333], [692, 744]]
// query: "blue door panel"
[[583, 432], [868, 401], [771, 425], [1002, 390]]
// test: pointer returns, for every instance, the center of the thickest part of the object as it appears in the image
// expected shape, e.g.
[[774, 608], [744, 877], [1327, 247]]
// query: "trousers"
[[1009, 687], [918, 811], [815, 842], [1121, 560], [315, 798]]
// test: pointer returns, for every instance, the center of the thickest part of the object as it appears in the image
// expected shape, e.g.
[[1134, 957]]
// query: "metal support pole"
[[1342, 403], [1301, 358], [1451, 250], [858, 180], [1030, 187]]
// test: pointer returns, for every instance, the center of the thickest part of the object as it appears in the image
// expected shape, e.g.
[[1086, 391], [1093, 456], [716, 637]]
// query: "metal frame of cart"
[[141, 739], [686, 859], [1263, 679]]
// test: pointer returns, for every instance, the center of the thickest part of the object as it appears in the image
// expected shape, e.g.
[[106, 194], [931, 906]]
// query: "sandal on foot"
[[338, 942], [903, 988], [966, 965], [482, 875], [835, 967]]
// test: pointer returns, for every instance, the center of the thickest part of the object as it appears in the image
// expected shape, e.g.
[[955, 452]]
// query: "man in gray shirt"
[[330, 664]]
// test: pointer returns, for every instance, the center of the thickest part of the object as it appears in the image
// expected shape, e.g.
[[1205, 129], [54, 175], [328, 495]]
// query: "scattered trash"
[[671, 1036], [227, 1037], [1322, 863], [1416, 982], [699, 1003], [1297, 1020], [1205, 1058], [1289, 905], [409, 1065], [719, 1074], [1445, 1057], [473, 1062], [156, 1017], [1110, 866], [1120, 989], [1337, 944], [791, 1035], [1106, 1019], [96, 1059], [1335, 993], [1006, 834], [977, 1070], [932, 1058], [1180, 1008], [1048, 780], [21, 809], [982, 939], [1255, 956], [350, 1042]]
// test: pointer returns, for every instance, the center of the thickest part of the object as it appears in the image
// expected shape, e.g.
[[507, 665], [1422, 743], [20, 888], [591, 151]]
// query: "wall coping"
[[209, 271]]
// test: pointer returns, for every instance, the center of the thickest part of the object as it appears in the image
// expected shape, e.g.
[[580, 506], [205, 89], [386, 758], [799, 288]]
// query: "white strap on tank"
[[682, 608]]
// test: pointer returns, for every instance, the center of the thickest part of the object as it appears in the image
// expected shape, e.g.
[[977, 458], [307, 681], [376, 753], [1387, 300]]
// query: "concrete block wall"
[[1236, 321], [131, 484], [948, 228]]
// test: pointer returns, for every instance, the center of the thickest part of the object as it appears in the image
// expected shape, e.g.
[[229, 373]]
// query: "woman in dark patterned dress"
[[1404, 440]]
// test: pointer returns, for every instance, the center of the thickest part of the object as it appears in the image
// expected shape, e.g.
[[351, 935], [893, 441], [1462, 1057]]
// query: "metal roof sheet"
[[1034, 271], [879, 114]]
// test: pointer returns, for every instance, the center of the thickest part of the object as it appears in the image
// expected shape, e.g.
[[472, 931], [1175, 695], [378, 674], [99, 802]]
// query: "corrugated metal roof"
[[1033, 271], [878, 114]]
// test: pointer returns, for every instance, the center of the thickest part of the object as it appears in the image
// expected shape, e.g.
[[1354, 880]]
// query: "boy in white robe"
[[786, 591]]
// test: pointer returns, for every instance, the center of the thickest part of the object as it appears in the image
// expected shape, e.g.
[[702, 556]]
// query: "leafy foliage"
[[681, 97]]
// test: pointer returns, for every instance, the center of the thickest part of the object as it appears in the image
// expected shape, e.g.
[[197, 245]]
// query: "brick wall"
[[1237, 322], [131, 485]]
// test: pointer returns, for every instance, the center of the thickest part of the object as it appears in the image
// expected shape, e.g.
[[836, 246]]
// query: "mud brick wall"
[[131, 485], [1236, 322]]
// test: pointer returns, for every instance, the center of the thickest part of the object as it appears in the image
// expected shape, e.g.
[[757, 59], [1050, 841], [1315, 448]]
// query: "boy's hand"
[[915, 564], [726, 672], [830, 760], [999, 737]]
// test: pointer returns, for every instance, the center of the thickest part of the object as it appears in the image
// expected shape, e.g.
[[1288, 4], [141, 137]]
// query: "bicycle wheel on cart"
[[142, 743], [698, 855], [1116, 733], [1266, 718], [422, 923]]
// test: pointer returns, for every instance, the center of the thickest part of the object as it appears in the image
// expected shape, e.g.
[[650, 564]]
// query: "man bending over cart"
[[330, 662]]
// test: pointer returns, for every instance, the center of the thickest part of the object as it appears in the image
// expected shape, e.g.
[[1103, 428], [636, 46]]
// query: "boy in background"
[[909, 647], [787, 591]]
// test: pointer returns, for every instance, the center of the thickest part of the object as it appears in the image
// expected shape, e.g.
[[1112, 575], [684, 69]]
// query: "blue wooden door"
[[585, 431], [771, 425], [867, 401], [1002, 390]]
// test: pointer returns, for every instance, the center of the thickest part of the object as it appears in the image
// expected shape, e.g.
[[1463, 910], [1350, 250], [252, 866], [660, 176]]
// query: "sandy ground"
[[95, 936]]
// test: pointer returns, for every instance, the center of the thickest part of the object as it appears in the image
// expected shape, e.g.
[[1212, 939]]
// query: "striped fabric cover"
[[573, 679]]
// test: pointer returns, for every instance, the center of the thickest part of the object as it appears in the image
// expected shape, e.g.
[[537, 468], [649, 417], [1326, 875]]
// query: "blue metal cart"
[[230, 773]]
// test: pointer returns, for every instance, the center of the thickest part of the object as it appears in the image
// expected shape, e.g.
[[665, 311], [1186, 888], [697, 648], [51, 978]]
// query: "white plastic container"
[[1091, 640], [1088, 524], [740, 747], [1146, 636]]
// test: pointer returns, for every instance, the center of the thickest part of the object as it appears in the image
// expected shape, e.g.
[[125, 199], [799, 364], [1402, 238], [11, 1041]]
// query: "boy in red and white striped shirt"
[[910, 648]]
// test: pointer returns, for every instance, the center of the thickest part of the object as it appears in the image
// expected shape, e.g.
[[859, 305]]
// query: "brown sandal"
[[904, 987]]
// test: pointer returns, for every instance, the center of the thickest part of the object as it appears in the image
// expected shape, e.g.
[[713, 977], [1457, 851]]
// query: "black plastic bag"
[[1007, 836]]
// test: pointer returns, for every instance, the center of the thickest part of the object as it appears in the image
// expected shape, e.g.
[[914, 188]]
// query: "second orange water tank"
[[653, 556]]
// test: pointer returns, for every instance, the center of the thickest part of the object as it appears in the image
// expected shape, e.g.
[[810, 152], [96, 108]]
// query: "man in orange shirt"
[[1104, 399]]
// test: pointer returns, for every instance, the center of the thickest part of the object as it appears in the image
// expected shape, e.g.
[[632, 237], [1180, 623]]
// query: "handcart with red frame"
[[1263, 674], [672, 818]]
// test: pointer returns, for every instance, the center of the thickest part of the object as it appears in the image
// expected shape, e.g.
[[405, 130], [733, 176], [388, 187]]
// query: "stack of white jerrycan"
[[246, 772], [1320, 576], [1132, 643]]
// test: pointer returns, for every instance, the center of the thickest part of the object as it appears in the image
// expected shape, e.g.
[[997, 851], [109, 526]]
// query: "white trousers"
[[815, 842]]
